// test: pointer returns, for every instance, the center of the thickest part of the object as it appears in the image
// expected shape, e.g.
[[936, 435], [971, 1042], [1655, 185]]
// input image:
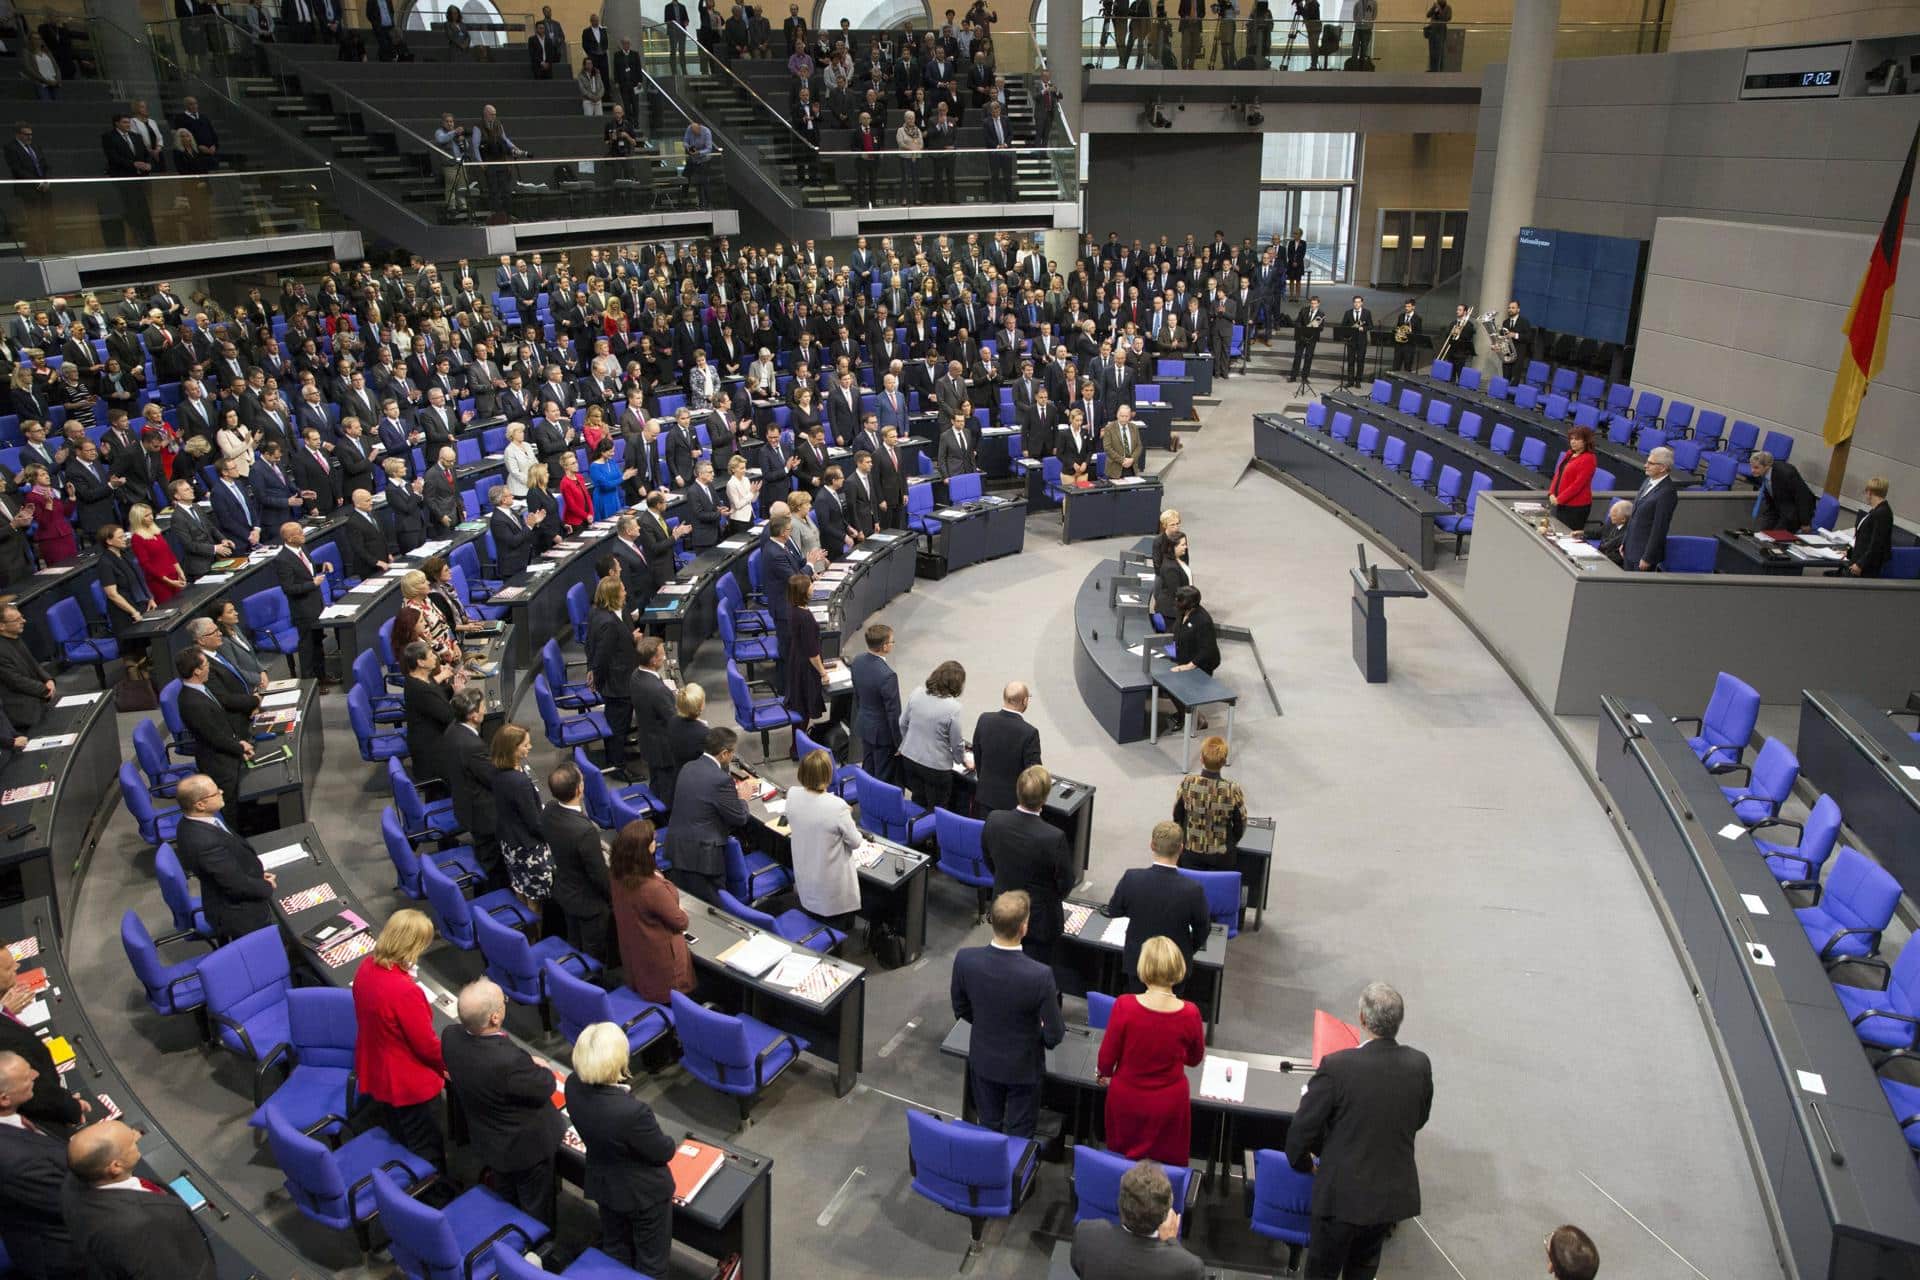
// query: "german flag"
[[1866, 326]]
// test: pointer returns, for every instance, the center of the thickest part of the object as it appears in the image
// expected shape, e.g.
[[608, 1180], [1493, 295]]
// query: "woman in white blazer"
[[519, 458], [824, 840]]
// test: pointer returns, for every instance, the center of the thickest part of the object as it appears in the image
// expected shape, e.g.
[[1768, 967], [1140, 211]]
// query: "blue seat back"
[[367, 673], [1099, 1009], [1859, 892], [1501, 441], [1556, 407], [418, 1235], [243, 979], [1282, 1198], [1533, 454], [1448, 488], [133, 790], [1439, 414], [150, 749], [1409, 403], [1825, 512], [1603, 480], [958, 1166], [144, 959], [1778, 444], [448, 906], [509, 959], [577, 1003], [1650, 438], [170, 710], [1721, 469], [321, 1026], [1707, 428], [406, 796], [1526, 396], [1903, 563], [1420, 470], [360, 716], [1443, 370], [1369, 440], [1648, 406], [1470, 379], [1563, 380], [715, 1045], [1381, 391], [1394, 455], [1096, 1183], [1687, 554], [1727, 723], [578, 611], [1775, 770], [1223, 896], [406, 863], [1342, 427], [1317, 415], [1741, 438], [960, 853], [312, 1178], [1470, 423], [174, 891]]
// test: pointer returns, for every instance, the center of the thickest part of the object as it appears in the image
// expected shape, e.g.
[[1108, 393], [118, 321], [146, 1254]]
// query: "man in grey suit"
[[1145, 1243], [1646, 538], [707, 807]]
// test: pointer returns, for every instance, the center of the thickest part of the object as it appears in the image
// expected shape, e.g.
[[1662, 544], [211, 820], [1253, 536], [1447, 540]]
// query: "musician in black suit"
[[1004, 747], [627, 1154], [1014, 1008], [428, 704], [506, 1099], [235, 891], [366, 540], [300, 580], [512, 536], [1872, 535], [654, 716], [580, 886], [1645, 543], [708, 806], [218, 750], [1406, 353], [1030, 854], [1785, 501], [128, 1227], [1359, 1115], [1145, 1243], [33, 1168], [1159, 902], [1356, 323], [469, 774], [1517, 329], [1306, 335]]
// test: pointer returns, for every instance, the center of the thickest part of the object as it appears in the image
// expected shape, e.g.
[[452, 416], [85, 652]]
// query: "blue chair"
[[744, 649], [1620, 429], [371, 680], [1687, 554], [920, 517], [1742, 437], [182, 741], [568, 695], [803, 746], [610, 809], [1686, 456], [1223, 896], [68, 626], [1342, 428], [1851, 909], [1470, 424], [578, 1004], [189, 921], [246, 984], [424, 821], [454, 1243], [1721, 469], [1096, 1185], [753, 876], [1770, 780], [319, 1092], [517, 964], [1533, 454], [1381, 392], [1603, 480], [150, 750], [454, 914], [961, 488], [1317, 415], [1280, 1202], [1420, 470], [456, 862], [1499, 388], [1442, 370], [567, 731], [1555, 409], [1903, 563], [157, 826], [169, 988], [734, 1054], [885, 808], [1409, 403], [746, 619], [270, 622], [1798, 865], [968, 1170], [334, 1186], [1825, 511], [1887, 1016], [1562, 382], [1469, 379], [1726, 726], [1099, 1010], [1460, 525], [1778, 445], [1904, 1098], [1393, 456], [958, 840], [756, 715], [793, 925], [591, 1265], [1368, 442], [1526, 396], [376, 744], [1647, 439], [579, 609], [1501, 440]]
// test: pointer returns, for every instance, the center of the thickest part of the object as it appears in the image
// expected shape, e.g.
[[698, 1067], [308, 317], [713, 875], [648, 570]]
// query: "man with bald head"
[[235, 890], [300, 580], [128, 1227], [50, 1104], [33, 1167], [507, 1098], [1004, 744]]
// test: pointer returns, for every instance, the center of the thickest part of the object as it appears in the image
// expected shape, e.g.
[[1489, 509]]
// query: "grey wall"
[[1746, 319], [1631, 140], [1149, 186]]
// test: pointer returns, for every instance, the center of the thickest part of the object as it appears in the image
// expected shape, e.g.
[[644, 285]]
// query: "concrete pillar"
[[1523, 135], [1063, 55]]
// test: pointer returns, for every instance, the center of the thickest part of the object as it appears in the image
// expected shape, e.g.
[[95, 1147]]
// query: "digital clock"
[[1793, 80], [1796, 71]]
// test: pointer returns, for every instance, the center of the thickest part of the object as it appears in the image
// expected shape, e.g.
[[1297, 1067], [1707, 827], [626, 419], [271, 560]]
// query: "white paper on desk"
[[542, 566], [51, 741], [51, 571], [1115, 932], [951, 513], [757, 954], [78, 700], [426, 549], [776, 806], [1753, 904], [1642, 719], [368, 587], [1812, 1082], [275, 686], [792, 970], [339, 611], [1125, 480], [1580, 550], [1732, 831], [281, 857], [211, 579], [857, 556], [290, 698], [733, 544], [1223, 1079], [35, 1013], [1911, 771]]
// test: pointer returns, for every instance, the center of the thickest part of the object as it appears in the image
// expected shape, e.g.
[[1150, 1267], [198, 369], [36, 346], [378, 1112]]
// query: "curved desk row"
[[1849, 748], [56, 797], [731, 1214], [1840, 1182], [1447, 448], [1628, 467], [1399, 510], [1110, 613], [862, 584], [243, 1247]]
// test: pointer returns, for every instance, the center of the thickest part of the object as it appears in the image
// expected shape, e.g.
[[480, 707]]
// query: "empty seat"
[[1707, 429], [1368, 441], [1440, 413], [1799, 863], [1501, 441], [1851, 909], [1726, 726], [1469, 379], [1689, 554], [1343, 427], [1409, 403], [1394, 455], [1533, 454], [1888, 1016], [1470, 426], [1770, 780]]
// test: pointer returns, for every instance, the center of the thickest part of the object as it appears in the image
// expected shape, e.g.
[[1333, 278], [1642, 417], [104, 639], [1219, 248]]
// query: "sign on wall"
[[1796, 71]]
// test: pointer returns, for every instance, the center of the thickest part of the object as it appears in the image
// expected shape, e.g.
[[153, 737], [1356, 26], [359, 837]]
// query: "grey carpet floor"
[[1432, 832]]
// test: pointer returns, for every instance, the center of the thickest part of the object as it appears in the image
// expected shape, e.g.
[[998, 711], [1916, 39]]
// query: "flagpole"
[[1837, 467]]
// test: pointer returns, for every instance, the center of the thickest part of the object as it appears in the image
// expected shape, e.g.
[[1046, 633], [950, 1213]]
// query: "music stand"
[[1345, 333]]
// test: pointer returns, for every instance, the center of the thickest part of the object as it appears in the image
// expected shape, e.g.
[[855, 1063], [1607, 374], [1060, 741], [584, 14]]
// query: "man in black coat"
[[1014, 1008], [26, 688], [1359, 1115], [365, 538], [705, 512], [1029, 853], [405, 506], [218, 751], [1004, 747], [50, 1103], [876, 700], [1785, 501], [610, 663], [1159, 902], [194, 534], [468, 769], [1645, 545], [708, 807], [33, 1168], [653, 717], [139, 1232], [887, 466], [227, 683], [235, 891], [580, 885], [1145, 1243], [300, 581], [428, 704], [630, 1183], [506, 1098], [830, 515], [442, 493], [512, 536]]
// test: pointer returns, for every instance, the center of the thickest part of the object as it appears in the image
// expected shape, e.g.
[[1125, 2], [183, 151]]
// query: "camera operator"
[[1226, 16], [456, 141]]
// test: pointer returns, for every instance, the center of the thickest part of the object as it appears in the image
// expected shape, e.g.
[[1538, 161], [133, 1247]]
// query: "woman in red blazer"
[[397, 1057], [1571, 491], [576, 504]]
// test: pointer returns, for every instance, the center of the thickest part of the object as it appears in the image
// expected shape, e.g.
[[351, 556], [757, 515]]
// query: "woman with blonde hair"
[[1151, 1040], [417, 619], [165, 579], [396, 1056], [541, 498], [627, 1154], [518, 456], [742, 494]]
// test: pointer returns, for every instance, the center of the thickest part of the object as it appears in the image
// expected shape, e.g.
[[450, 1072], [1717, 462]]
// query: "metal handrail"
[[720, 62], [218, 175]]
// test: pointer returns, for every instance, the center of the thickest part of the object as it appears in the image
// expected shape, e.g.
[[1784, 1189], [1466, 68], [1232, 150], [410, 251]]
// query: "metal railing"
[[63, 217], [531, 190]]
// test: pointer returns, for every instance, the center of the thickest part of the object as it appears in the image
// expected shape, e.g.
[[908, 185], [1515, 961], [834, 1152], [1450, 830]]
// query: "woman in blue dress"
[[605, 475]]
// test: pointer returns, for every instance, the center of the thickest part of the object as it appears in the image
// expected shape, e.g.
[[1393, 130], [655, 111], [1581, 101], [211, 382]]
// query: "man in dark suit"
[[1159, 902], [33, 1168], [228, 684], [128, 1227], [861, 496], [1872, 537], [1126, 448], [1145, 1243], [49, 1102], [234, 891], [199, 542], [26, 688], [1004, 747], [889, 468], [654, 716], [956, 454], [1029, 853], [469, 774], [1519, 330], [300, 581], [366, 540], [1014, 1008], [1645, 544], [707, 807], [1359, 1115], [1784, 500], [428, 704], [580, 886], [512, 538], [876, 700], [442, 493], [705, 512], [218, 751], [830, 513], [406, 506], [1358, 323], [506, 1098]]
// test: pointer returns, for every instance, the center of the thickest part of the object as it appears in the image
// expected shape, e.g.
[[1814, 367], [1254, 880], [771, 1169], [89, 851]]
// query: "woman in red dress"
[[1151, 1040], [162, 567], [577, 505]]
